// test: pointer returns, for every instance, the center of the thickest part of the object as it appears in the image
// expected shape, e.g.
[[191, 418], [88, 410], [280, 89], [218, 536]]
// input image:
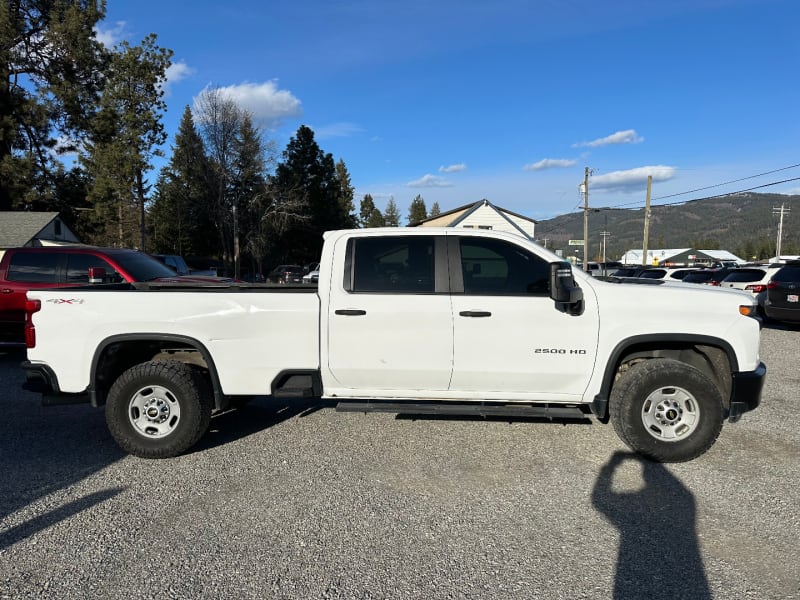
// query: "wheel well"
[[117, 356], [710, 360]]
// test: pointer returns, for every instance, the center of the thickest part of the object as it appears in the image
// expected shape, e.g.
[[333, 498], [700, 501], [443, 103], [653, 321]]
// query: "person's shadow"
[[659, 555]]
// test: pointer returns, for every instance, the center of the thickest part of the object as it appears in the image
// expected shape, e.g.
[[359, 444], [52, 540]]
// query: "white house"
[[482, 215]]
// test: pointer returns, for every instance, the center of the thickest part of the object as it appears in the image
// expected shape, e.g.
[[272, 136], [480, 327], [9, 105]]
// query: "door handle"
[[352, 312], [475, 313]]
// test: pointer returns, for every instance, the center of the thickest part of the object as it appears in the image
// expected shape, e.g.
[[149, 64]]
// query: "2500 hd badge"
[[559, 351]]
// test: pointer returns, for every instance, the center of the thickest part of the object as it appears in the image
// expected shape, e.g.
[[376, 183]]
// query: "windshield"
[[143, 267]]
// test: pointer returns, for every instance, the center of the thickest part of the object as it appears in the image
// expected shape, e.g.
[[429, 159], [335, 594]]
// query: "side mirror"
[[563, 289], [97, 274]]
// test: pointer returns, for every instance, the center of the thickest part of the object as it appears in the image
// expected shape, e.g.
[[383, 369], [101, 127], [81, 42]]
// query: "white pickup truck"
[[416, 320]]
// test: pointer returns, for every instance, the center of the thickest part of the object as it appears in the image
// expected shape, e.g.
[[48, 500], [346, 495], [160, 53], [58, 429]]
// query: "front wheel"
[[666, 410], [158, 409]]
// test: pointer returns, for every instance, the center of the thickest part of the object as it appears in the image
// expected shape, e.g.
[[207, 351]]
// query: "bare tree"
[[220, 120]]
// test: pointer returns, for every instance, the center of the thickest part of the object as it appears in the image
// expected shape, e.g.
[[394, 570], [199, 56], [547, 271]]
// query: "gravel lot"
[[287, 501]]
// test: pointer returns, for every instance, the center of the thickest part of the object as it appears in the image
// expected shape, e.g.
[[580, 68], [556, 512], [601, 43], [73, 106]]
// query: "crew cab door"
[[511, 340], [389, 320]]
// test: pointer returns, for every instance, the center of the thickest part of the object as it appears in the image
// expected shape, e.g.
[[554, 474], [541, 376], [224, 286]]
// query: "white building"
[[482, 215]]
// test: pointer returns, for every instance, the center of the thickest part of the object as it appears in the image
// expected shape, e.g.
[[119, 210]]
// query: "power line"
[[637, 204], [728, 182]]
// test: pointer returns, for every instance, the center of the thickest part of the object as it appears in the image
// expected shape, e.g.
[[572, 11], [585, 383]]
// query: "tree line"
[[81, 125]]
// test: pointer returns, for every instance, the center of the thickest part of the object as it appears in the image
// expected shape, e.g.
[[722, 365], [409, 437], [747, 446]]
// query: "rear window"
[[653, 274], [788, 273], [33, 267], [745, 275]]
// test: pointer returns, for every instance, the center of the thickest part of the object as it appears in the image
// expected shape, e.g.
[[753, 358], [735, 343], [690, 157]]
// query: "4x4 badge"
[[66, 300]]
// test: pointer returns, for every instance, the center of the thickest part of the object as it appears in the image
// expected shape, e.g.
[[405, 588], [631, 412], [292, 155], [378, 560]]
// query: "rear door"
[[390, 329], [510, 341]]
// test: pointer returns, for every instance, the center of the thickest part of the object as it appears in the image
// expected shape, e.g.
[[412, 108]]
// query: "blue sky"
[[504, 99]]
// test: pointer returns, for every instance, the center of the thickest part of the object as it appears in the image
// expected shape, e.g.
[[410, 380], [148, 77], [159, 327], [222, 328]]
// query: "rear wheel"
[[158, 409], [666, 410]]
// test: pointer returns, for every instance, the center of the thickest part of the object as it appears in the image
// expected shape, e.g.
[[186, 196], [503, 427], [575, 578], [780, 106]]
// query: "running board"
[[483, 409]]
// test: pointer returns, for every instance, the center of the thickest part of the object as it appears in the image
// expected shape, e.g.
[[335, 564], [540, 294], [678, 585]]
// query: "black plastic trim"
[[220, 402], [600, 402], [746, 391]]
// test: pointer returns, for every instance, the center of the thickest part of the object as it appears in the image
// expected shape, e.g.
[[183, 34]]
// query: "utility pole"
[[647, 219], [586, 174], [779, 211]]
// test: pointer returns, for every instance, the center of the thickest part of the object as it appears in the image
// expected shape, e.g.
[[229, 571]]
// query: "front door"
[[510, 340]]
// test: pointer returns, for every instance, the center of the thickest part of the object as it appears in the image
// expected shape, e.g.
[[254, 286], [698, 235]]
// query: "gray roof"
[[17, 228]]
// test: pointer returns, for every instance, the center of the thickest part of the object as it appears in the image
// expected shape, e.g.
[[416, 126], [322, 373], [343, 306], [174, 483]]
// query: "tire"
[[158, 409], [666, 410]]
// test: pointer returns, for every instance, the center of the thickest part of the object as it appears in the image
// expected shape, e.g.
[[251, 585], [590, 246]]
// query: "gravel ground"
[[298, 501]]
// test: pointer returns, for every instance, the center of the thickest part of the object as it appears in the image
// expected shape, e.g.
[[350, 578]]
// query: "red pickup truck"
[[23, 269]]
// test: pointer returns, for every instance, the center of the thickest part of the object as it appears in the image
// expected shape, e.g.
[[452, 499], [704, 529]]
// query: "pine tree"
[[417, 211], [435, 211], [180, 220], [126, 135], [391, 216], [346, 194], [51, 66], [365, 210], [308, 174]]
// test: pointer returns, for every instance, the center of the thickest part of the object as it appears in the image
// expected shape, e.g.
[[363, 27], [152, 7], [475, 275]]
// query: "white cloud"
[[629, 136], [176, 72], [429, 181], [453, 168], [264, 101], [110, 36], [335, 130], [632, 178], [550, 163]]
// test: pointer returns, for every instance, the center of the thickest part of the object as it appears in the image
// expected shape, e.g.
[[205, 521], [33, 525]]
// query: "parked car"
[[286, 274], [782, 297], [666, 273], [23, 269], [602, 268], [707, 276], [751, 278], [179, 265], [629, 271], [313, 274]]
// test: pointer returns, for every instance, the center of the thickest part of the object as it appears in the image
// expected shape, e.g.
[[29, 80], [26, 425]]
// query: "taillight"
[[756, 288], [772, 285], [31, 306], [713, 283]]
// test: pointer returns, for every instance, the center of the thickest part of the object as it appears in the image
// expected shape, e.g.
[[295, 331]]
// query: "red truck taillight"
[[31, 306]]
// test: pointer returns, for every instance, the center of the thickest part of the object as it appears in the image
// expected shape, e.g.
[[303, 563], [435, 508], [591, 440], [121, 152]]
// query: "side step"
[[483, 409]]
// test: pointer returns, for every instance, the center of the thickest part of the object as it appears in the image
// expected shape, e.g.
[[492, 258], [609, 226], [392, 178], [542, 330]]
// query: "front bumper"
[[746, 392]]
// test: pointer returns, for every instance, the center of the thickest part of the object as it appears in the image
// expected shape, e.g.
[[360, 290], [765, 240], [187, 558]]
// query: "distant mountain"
[[742, 223]]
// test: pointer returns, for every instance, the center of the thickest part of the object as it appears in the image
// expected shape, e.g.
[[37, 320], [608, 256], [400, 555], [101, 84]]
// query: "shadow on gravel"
[[44, 450], [32, 526], [258, 415], [659, 554]]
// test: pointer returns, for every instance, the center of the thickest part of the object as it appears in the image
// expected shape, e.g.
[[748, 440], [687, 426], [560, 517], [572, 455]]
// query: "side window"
[[78, 268], [33, 267], [402, 264], [496, 267]]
